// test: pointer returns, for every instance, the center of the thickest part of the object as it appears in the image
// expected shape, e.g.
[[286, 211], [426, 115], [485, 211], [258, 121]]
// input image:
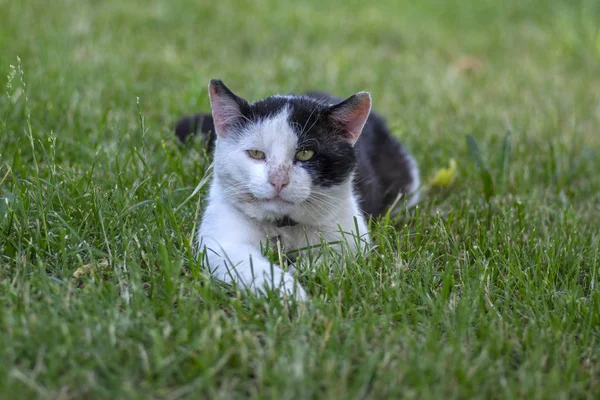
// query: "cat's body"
[[296, 170]]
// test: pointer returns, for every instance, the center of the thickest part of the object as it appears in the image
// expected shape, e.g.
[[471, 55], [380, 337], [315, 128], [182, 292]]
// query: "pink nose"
[[279, 181]]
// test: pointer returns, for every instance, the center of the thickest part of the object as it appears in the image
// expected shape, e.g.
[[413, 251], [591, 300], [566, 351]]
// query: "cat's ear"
[[351, 115], [226, 106]]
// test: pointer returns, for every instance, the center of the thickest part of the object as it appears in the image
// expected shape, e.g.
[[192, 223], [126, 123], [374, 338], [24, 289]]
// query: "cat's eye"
[[304, 155], [256, 154]]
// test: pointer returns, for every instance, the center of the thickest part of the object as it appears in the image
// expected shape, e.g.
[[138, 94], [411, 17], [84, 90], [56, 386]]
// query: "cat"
[[299, 170]]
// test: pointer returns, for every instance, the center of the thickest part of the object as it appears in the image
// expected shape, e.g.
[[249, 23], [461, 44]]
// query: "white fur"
[[240, 215], [414, 192]]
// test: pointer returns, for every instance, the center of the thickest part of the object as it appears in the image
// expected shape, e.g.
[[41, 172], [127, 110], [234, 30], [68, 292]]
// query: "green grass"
[[489, 289]]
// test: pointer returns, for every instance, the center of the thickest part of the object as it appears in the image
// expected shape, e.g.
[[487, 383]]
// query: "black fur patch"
[[189, 125], [285, 221], [334, 158]]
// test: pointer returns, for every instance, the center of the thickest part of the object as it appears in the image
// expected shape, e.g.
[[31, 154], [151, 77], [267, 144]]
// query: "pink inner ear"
[[225, 109], [352, 114]]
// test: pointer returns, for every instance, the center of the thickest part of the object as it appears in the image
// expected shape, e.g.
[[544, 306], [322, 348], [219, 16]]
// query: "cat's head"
[[285, 155]]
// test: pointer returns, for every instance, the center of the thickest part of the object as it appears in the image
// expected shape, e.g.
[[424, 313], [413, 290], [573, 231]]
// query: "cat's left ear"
[[351, 115], [226, 107]]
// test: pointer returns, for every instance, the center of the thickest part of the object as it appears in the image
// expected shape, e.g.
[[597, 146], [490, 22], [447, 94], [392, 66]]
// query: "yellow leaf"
[[81, 271], [445, 176], [88, 269]]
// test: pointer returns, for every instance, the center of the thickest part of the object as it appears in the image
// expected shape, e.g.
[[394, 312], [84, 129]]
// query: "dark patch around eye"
[[331, 166], [334, 158]]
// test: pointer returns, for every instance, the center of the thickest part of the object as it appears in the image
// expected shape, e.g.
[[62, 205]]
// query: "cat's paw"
[[291, 269], [290, 288], [280, 282], [293, 289]]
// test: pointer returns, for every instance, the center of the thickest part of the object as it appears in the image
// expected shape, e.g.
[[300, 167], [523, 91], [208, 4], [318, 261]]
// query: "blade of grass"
[[482, 167]]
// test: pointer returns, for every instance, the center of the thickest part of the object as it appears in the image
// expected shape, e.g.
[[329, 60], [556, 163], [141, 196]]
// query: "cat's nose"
[[279, 181]]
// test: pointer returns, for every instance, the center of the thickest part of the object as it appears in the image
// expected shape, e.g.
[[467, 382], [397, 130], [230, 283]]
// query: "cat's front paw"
[[293, 289], [284, 284]]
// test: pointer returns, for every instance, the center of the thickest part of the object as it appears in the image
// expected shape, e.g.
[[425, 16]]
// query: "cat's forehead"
[[282, 120], [274, 132], [302, 109]]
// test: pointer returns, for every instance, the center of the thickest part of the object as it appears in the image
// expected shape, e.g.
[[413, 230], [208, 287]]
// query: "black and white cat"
[[298, 169]]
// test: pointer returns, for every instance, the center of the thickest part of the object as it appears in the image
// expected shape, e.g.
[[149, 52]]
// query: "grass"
[[489, 289]]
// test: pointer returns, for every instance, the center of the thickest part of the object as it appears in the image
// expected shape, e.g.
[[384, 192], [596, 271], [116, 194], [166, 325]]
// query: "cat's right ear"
[[351, 115], [226, 106]]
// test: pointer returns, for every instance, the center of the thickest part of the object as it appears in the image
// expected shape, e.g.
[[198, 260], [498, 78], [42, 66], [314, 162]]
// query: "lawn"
[[488, 289]]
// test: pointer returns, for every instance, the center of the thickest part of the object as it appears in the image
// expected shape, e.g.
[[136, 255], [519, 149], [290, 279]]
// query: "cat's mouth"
[[276, 200]]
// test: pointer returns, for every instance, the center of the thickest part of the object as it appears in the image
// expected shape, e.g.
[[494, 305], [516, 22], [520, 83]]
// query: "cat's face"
[[285, 155]]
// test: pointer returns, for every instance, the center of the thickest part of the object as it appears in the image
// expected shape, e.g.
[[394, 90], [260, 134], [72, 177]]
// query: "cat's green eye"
[[256, 154], [304, 155]]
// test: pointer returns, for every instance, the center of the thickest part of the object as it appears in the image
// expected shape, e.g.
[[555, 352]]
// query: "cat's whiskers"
[[324, 197], [324, 204], [310, 206], [240, 191], [325, 211]]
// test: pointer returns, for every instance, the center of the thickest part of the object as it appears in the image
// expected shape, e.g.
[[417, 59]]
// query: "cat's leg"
[[348, 238], [350, 235], [351, 232], [245, 266], [231, 244]]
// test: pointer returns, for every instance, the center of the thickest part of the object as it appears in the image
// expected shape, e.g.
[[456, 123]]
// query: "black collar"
[[285, 221]]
